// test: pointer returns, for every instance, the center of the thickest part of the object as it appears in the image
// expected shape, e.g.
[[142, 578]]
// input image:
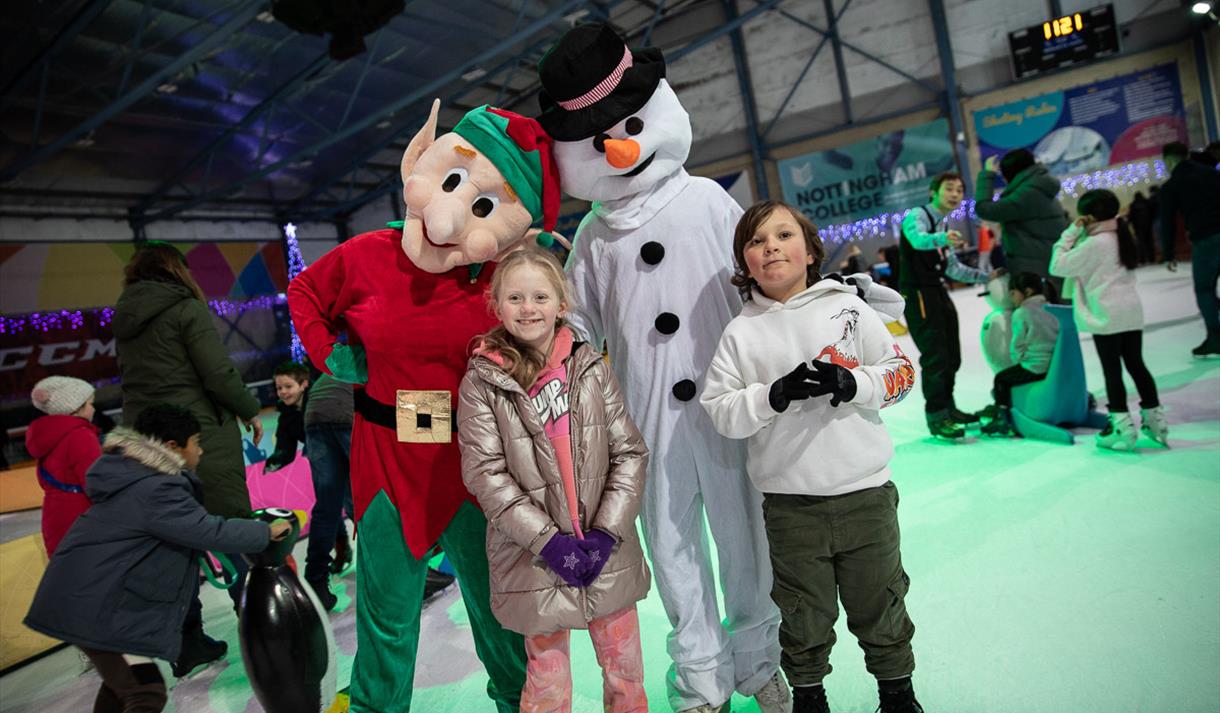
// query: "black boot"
[[988, 413], [1209, 347], [958, 416], [897, 696], [197, 649], [1001, 426], [809, 699], [435, 582], [941, 425], [321, 588]]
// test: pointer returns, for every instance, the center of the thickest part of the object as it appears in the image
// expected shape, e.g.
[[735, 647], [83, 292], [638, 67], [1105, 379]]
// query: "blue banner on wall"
[[1089, 127], [886, 174]]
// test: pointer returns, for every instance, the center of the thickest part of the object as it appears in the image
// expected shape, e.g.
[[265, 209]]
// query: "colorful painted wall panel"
[[53, 276]]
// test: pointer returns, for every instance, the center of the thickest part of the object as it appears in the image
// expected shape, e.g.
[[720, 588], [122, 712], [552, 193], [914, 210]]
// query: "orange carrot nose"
[[621, 153]]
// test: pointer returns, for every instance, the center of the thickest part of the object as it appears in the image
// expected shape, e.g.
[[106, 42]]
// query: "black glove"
[[792, 387], [829, 378]]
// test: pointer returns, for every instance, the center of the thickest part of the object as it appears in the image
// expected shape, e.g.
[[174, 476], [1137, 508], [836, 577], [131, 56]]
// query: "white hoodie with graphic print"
[[812, 448]]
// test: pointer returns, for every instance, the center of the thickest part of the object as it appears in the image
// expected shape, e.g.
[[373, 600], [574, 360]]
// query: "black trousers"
[[126, 688], [1010, 377], [1117, 351], [932, 319]]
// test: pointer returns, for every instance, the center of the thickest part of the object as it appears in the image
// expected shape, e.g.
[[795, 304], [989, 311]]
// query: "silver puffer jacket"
[[509, 464]]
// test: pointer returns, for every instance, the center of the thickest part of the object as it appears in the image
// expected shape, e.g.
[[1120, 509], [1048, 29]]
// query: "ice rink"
[[1044, 578]]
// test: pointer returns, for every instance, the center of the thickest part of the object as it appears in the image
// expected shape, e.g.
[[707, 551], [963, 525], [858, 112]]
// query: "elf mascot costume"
[[410, 299]]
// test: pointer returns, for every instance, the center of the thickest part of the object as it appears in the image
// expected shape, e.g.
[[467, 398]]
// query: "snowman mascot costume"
[[650, 273]]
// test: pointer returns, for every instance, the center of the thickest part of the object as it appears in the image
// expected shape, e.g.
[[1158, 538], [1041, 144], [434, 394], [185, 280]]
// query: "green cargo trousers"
[[389, 593], [827, 548]]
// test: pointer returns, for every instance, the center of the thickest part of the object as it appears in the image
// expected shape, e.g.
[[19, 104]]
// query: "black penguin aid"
[[286, 639]]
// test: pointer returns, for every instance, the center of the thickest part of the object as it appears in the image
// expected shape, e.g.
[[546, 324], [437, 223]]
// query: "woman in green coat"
[[169, 351]]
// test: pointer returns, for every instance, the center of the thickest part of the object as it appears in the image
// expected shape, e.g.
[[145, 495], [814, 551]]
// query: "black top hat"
[[591, 81]]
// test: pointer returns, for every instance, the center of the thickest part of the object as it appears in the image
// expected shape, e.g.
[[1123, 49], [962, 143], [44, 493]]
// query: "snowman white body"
[[618, 298]]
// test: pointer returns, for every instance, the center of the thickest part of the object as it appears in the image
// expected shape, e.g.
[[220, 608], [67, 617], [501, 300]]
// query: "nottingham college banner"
[[886, 174]]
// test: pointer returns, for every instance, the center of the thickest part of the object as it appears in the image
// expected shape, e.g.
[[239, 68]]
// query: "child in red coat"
[[66, 443]]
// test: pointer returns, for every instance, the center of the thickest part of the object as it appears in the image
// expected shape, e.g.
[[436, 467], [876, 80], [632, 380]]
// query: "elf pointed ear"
[[421, 141]]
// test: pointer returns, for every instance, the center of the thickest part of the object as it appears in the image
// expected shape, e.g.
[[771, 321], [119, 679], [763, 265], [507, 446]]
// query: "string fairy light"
[[1131, 175]]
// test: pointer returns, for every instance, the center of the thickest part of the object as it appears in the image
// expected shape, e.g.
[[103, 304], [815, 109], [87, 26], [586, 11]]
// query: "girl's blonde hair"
[[523, 362]]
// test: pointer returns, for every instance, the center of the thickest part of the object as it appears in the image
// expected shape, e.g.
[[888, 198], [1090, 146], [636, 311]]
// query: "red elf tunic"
[[416, 329]]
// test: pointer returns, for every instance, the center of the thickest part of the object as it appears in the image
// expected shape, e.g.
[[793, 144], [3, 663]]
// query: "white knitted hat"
[[60, 395]]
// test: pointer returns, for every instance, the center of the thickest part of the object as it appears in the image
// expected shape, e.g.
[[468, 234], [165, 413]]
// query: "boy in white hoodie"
[[817, 460]]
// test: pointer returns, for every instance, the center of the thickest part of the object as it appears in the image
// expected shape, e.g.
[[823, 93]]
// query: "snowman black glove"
[[792, 387], [829, 378], [847, 281]]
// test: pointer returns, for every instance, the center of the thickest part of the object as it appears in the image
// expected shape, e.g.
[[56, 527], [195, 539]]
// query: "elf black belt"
[[374, 411]]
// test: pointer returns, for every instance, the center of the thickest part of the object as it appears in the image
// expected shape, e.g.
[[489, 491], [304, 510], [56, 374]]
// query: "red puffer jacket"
[[65, 447]]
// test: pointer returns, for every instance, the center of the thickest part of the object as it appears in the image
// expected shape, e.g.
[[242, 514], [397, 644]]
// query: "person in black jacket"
[[292, 390], [1192, 189], [121, 581]]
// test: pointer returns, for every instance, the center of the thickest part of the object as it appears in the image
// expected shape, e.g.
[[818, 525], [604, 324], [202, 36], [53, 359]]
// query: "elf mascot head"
[[472, 194]]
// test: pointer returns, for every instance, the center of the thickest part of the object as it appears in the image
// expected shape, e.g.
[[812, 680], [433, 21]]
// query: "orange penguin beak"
[[621, 153]]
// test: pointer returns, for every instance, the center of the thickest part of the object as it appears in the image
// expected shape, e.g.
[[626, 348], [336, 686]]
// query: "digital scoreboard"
[[1064, 41]]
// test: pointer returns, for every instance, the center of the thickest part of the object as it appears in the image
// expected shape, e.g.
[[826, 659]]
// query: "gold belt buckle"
[[423, 416]]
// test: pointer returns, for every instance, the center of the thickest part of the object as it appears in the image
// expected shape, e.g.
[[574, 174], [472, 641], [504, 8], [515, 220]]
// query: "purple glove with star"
[[566, 558], [598, 544]]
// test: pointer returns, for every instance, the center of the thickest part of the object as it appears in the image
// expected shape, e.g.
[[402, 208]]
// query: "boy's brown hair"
[[749, 224], [295, 369]]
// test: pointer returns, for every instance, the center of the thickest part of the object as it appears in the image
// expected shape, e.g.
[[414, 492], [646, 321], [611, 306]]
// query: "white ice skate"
[[1154, 425], [1119, 434]]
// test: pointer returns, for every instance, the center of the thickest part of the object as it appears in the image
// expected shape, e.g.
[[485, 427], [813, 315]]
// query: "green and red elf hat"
[[522, 152]]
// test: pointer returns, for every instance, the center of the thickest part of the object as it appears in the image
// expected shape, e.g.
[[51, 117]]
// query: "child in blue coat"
[[121, 581]]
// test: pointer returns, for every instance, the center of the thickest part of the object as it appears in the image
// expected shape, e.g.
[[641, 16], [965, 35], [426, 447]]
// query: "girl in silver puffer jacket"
[[558, 467]]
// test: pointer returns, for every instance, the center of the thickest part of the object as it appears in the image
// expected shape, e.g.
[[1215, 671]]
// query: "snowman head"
[[617, 124]]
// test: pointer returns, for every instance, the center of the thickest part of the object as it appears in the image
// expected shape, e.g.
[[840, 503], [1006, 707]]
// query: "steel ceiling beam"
[[208, 153], [83, 18], [796, 85], [390, 181], [368, 121], [1205, 82], [836, 46], [747, 101], [864, 53], [723, 30], [223, 33], [948, 70]]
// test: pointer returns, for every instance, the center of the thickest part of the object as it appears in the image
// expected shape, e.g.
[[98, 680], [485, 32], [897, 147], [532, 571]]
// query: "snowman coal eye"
[[484, 205], [634, 126], [599, 142], [456, 177]]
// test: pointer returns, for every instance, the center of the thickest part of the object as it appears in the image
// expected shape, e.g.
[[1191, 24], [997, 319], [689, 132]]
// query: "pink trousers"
[[616, 641]]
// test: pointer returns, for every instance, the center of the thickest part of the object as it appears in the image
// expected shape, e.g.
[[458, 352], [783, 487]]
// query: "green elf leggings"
[[390, 589]]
